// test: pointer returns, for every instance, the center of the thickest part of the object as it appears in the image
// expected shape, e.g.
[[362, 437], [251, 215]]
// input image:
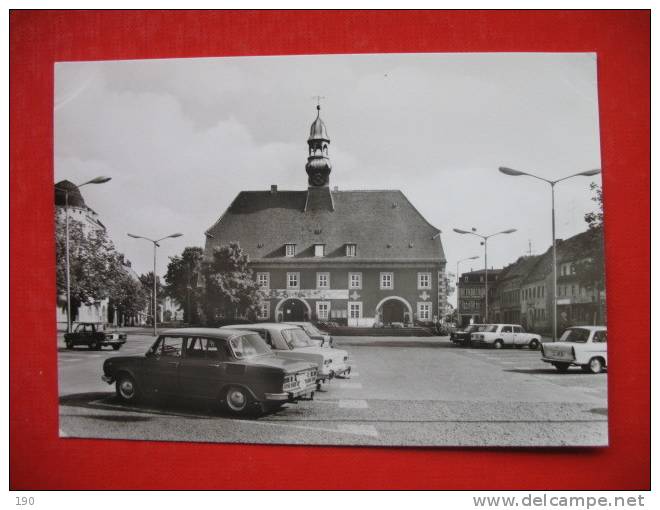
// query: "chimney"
[[273, 188]]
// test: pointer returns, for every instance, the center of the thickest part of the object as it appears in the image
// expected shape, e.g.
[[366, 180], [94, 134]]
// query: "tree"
[[147, 282], [231, 291], [590, 269], [128, 297], [94, 265], [183, 279]]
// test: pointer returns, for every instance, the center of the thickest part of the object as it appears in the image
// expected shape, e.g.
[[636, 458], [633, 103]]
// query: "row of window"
[[353, 311], [534, 292], [472, 291], [354, 280], [319, 250]]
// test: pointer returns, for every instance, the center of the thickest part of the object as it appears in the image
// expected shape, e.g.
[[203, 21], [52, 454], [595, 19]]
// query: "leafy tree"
[[590, 269], [147, 282], [231, 291], [183, 279], [128, 297], [94, 263]]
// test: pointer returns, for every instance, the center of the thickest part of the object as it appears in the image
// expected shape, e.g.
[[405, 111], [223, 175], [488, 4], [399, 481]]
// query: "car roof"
[[266, 325], [209, 332], [590, 328]]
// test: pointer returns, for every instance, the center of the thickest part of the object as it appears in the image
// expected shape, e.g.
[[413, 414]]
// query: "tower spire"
[[318, 165]]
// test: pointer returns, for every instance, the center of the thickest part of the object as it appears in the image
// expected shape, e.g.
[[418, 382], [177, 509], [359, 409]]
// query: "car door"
[[161, 367], [202, 368], [506, 334], [519, 336]]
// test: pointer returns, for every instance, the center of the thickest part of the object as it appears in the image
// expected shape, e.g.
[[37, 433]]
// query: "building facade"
[[507, 305], [471, 288], [356, 257]]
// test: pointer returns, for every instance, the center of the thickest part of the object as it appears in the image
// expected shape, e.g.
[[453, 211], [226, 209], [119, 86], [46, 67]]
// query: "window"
[[293, 280], [424, 311], [290, 250], [354, 280], [518, 329], [423, 280], [351, 250], [171, 346], [263, 279], [506, 329], [264, 310], [319, 250], [323, 310], [355, 310], [386, 281], [600, 337], [322, 280]]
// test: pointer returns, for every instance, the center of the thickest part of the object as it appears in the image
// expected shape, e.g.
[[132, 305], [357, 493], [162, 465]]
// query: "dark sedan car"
[[235, 368], [95, 335], [462, 337]]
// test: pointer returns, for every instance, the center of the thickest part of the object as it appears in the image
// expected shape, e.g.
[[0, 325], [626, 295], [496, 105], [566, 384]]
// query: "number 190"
[[24, 501]]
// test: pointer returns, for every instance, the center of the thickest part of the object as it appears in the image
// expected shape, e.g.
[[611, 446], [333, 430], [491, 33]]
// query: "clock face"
[[318, 179]]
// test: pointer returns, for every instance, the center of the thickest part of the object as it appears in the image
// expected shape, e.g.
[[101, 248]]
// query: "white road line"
[[71, 359], [350, 385], [362, 430], [353, 404]]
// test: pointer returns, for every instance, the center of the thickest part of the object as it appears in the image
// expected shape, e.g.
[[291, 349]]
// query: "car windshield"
[[575, 335], [311, 330], [248, 346], [488, 328], [296, 337], [471, 328]]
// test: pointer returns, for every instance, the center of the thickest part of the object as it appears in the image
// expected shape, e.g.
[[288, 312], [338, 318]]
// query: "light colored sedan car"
[[582, 346], [499, 335], [321, 338], [292, 342]]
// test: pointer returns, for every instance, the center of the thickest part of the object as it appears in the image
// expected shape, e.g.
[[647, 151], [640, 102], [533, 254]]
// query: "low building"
[[357, 257], [507, 306]]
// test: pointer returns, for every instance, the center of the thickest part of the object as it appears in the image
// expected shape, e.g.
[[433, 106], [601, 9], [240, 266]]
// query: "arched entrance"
[[394, 309], [293, 310]]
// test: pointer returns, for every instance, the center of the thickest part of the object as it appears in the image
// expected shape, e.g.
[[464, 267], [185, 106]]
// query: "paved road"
[[404, 391]]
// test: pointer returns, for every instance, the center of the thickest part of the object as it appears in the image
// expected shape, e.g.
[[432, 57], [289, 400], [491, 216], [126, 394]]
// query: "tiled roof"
[[382, 223], [520, 268]]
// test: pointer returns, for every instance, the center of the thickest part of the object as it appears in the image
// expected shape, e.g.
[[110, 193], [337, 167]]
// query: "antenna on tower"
[[318, 101], [529, 252]]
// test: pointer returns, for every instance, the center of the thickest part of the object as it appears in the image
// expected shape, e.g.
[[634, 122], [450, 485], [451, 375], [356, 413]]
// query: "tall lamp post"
[[458, 297], [156, 245], [586, 173], [485, 243], [95, 180]]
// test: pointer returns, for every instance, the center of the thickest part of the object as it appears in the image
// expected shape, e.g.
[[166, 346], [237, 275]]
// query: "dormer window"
[[351, 250], [290, 250], [319, 250]]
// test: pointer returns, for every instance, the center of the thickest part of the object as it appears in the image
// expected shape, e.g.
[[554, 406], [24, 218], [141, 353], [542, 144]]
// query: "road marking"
[[71, 359], [362, 430], [353, 404], [350, 385]]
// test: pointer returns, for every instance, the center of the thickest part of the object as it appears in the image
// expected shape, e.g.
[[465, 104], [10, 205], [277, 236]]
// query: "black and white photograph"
[[379, 249]]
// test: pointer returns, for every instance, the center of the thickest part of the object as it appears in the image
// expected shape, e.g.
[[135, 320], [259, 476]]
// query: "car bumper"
[[289, 396], [568, 361], [342, 370], [107, 379]]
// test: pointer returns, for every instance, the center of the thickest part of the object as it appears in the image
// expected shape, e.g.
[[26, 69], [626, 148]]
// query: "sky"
[[182, 137]]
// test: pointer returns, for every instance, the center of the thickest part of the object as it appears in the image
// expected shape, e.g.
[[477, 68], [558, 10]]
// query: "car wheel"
[[498, 344], [534, 344], [69, 344], [595, 365], [562, 367], [237, 400], [127, 389], [116, 347]]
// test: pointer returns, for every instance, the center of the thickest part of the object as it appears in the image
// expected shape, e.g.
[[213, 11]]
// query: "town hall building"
[[356, 257]]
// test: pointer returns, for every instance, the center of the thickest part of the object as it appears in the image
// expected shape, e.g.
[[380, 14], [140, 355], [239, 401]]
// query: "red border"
[[38, 459]]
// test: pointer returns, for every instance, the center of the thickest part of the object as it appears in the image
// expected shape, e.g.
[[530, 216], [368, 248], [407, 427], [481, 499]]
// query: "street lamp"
[[586, 173], [485, 243], [458, 297], [96, 180], [156, 245]]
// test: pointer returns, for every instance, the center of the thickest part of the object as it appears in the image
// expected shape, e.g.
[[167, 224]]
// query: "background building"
[[471, 288], [356, 257]]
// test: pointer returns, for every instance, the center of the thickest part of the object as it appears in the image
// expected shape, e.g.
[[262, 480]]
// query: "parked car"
[[582, 346], [291, 342], [95, 335], [499, 335], [235, 368], [321, 338], [462, 336]]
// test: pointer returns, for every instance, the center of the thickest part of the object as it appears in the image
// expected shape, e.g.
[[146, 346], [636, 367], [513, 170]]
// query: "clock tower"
[[318, 165]]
